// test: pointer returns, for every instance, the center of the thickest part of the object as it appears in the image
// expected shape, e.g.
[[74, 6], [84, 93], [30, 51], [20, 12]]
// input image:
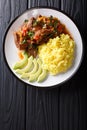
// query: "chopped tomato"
[[20, 55], [60, 28], [36, 37], [24, 31]]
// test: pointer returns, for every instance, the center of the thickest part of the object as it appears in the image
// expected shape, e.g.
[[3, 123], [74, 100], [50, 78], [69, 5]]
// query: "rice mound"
[[57, 54]]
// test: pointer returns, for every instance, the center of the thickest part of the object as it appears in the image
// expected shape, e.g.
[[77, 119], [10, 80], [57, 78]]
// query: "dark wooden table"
[[25, 107]]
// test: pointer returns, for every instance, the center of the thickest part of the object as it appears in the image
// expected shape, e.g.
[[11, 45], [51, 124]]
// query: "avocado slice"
[[33, 77], [27, 67], [21, 63], [42, 76], [34, 69]]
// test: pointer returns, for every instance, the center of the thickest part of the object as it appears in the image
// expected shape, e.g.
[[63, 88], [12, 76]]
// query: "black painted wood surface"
[[28, 108]]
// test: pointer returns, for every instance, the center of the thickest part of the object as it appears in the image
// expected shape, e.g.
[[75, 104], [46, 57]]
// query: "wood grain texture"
[[77, 10], [42, 109], [12, 92], [73, 99], [49, 3]]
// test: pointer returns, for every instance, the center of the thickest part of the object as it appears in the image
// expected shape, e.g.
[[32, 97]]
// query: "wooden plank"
[[77, 10], [47, 3], [69, 107], [73, 107], [42, 105], [42, 109], [12, 91], [73, 98]]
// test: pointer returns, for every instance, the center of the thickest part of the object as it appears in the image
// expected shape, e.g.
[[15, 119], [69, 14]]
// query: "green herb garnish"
[[30, 34], [24, 41], [26, 20], [55, 24], [35, 22], [51, 17]]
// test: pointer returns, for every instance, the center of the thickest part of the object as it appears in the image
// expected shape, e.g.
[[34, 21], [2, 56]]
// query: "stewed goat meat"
[[36, 31]]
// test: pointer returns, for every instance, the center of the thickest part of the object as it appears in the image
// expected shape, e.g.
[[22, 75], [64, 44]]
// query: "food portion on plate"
[[57, 54], [36, 31], [30, 68], [45, 47]]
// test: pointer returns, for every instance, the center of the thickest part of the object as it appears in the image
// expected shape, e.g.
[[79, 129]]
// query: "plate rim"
[[10, 24]]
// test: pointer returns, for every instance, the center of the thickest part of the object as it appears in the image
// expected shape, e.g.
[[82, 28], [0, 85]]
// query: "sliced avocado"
[[42, 76], [27, 67], [34, 69], [25, 75], [21, 63], [19, 71], [33, 77]]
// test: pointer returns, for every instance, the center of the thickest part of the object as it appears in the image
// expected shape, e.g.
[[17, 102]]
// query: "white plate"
[[10, 50]]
